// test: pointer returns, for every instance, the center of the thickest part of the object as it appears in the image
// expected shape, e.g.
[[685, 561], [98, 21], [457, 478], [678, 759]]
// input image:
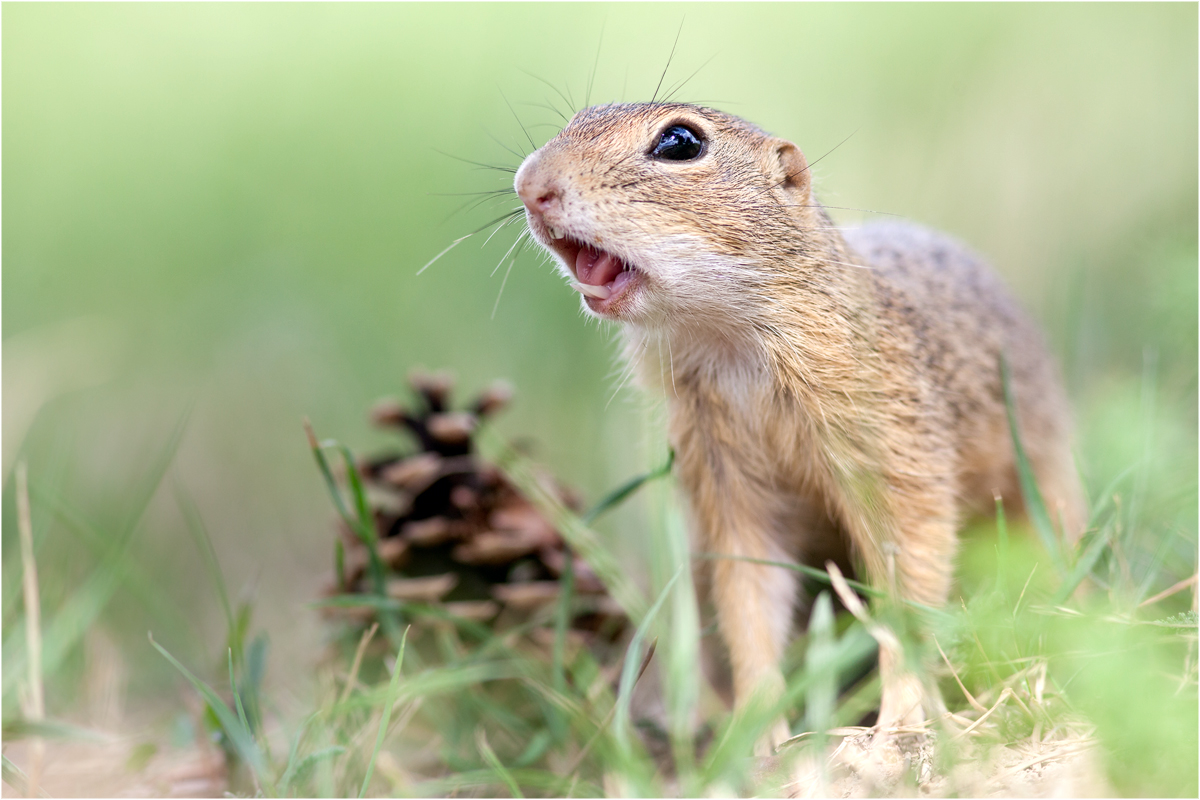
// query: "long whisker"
[[511, 170], [675, 89], [811, 164], [654, 98], [509, 219], [473, 204], [557, 91], [843, 208], [453, 244], [548, 106], [516, 242], [497, 220], [658, 344], [671, 363], [505, 190], [507, 272], [518, 119], [587, 97], [506, 218], [502, 144], [629, 370]]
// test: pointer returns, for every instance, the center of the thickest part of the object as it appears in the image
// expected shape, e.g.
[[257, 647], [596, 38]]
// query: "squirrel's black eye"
[[678, 143]]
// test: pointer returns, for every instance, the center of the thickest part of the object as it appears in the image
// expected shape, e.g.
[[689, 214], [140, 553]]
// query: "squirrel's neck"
[[810, 331]]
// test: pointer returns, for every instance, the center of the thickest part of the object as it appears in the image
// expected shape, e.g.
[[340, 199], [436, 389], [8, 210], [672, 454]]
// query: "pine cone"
[[454, 532]]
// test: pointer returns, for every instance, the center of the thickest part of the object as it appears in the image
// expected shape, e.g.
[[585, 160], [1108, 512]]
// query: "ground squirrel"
[[832, 393]]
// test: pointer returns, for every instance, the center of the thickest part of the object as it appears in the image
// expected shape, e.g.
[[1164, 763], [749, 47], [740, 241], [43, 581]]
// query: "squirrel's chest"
[[725, 405], [739, 421]]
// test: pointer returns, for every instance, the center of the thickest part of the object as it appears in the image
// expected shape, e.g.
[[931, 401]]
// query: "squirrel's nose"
[[546, 199], [536, 192]]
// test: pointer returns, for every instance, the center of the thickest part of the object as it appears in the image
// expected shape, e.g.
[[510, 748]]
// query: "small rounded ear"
[[788, 171]]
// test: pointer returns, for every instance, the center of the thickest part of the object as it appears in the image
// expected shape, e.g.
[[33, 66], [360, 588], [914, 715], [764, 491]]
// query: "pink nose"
[[537, 194], [545, 200]]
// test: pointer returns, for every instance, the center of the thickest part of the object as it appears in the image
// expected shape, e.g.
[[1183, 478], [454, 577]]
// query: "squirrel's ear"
[[788, 170]]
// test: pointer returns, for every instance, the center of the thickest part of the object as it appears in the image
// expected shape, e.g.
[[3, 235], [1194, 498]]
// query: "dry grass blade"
[[1070, 749], [612, 712], [970, 697], [35, 709], [352, 677], [1165, 593], [855, 606], [1007, 693]]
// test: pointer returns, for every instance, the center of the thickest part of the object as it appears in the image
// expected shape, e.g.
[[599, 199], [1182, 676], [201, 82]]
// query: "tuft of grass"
[[385, 717]]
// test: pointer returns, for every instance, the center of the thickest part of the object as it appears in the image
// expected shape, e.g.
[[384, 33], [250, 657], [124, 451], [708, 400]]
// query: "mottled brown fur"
[[829, 390]]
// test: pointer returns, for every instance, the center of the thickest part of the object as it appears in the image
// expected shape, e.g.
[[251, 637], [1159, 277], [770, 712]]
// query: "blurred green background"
[[223, 208]]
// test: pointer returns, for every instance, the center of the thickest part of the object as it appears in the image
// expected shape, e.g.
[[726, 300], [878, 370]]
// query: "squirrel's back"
[[959, 319]]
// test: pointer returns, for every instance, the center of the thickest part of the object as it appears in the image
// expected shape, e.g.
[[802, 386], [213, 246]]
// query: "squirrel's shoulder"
[[925, 262], [939, 288], [901, 244]]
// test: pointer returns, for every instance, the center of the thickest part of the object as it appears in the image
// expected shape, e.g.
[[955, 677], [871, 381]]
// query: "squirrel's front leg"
[[738, 525], [754, 604]]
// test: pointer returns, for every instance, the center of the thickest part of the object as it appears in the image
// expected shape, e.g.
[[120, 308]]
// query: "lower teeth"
[[599, 292]]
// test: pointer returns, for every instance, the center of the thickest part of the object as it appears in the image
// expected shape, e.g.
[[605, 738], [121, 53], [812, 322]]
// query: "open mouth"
[[601, 277]]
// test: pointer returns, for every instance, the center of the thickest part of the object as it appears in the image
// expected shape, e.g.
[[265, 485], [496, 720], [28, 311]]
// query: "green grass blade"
[[239, 735], [414, 609], [538, 744], [237, 697], [633, 659], [21, 728], [820, 663], [1035, 506], [199, 533], [339, 564], [1084, 565], [291, 767], [361, 521], [84, 605], [622, 493], [17, 779], [930, 613], [1001, 533], [74, 617], [149, 593], [362, 507], [562, 623], [582, 538], [314, 758], [810, 572], [562, 619], [389, 701], [335, 493], [679, 642], [254, 670], [493, 761], [1105, 498], [158, 470], [365, 601], [725, 760], [547, 783]]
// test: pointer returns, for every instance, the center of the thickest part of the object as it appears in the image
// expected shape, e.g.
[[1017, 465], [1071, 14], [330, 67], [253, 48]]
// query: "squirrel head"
[[660, 212]]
